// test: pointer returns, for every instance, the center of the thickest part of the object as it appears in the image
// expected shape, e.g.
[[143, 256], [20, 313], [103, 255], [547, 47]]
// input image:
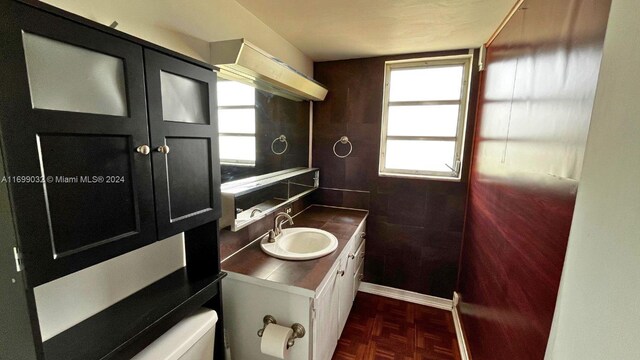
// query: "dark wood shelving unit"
[[97, 222], [123, 329]]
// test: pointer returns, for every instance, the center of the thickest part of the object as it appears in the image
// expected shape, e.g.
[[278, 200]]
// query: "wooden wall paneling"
[[536, 102]]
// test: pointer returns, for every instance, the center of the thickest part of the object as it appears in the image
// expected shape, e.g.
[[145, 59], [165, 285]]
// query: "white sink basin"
[[300, 244]]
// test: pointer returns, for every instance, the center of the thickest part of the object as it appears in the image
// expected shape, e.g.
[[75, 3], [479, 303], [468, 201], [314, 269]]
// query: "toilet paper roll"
[[274, 341]]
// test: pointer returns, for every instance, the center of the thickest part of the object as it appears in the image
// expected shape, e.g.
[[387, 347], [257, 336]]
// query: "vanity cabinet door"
[[184, 143], [326, 308], [73, 114], [346, 281], [359, 272]]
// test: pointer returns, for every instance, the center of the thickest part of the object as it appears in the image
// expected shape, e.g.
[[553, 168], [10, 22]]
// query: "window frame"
[[456, 174], [236, 162]]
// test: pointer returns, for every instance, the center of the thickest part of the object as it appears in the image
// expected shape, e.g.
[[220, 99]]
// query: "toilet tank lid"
[[181, 337]]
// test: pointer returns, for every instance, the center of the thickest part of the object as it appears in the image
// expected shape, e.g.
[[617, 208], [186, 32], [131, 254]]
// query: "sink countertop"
[[307, 274]]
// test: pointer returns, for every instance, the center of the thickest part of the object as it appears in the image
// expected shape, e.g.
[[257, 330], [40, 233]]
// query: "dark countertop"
[[308, 274]]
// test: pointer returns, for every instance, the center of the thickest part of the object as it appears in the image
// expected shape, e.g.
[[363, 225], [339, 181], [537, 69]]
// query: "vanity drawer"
[[359, 255], [359, 235], [357, 278]]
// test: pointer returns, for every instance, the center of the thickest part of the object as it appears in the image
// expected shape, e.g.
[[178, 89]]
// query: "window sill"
[[237, 164], [420, 176]]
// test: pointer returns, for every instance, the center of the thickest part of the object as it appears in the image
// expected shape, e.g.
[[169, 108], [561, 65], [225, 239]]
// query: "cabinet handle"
[[352, 256], [341, 272], [362, 234], [163, 149], [143, 149]]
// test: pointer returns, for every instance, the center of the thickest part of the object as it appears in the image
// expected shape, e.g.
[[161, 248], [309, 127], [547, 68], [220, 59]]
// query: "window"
[[424, 117], [237, 123]]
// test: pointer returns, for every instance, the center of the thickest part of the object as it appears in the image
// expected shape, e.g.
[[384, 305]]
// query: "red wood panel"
[[535, 109]]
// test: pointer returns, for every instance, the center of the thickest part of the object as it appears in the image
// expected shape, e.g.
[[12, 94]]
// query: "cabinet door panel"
[[184, 99], [326, 307], [59, 121], [359, 272], [186, 172], [71, 78], [182, 116], [88, 204], [346, 288], [357, 279]]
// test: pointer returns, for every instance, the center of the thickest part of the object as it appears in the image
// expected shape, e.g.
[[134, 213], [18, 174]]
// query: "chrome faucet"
[[254, 211], [277, 225]]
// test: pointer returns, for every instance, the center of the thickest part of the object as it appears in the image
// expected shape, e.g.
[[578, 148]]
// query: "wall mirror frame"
[[249, 200]]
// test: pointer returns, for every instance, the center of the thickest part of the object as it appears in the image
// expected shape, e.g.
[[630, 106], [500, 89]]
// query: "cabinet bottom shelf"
[[124, 328]]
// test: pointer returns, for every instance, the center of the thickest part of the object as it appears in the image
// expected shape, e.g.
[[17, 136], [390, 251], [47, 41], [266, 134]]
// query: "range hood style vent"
[[242, 61]]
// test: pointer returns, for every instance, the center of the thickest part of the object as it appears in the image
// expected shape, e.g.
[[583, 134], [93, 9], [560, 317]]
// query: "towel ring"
[[280, 138], [343, 140]]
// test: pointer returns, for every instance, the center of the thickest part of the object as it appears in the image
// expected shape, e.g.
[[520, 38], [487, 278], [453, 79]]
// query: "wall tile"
[[404, 212]]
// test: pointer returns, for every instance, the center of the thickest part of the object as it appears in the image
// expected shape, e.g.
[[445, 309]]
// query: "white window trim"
[[467, 61]]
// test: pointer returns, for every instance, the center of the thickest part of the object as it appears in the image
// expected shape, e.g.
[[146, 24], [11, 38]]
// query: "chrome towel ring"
[[343, 140], [282, 139]]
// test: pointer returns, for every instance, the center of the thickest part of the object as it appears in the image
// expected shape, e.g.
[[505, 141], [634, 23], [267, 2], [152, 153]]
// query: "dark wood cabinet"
[[184, 140], [73, 114], [107, 144]]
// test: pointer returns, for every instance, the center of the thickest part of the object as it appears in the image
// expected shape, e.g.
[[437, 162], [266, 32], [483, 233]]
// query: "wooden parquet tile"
[[380, 328]]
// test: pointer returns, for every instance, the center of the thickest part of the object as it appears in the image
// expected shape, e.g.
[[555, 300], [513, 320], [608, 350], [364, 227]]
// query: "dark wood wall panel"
[[414, 229], [535, 108]]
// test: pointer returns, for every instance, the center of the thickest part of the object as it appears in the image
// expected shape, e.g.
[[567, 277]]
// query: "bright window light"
[[426, 83], [233, 93], [237, 123], [424, 117], [238, 148]]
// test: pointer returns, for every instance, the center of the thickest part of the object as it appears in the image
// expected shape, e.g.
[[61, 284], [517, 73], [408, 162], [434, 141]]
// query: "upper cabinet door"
[[184, 138], [73, 114]]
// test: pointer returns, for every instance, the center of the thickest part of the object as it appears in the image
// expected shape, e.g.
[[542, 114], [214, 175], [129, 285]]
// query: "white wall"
[[598, 313], [187, 26], [68, 300]]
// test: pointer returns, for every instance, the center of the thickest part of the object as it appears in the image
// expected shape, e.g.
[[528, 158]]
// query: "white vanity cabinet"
[[348, 281], [323, 311], [326, 316], [358, 274], [334, 301]]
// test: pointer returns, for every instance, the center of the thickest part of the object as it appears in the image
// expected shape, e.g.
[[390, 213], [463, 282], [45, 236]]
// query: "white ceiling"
[[343, 29]]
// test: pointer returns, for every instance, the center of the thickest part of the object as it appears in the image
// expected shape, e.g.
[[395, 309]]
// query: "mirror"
[[244, 202], [260, 132]]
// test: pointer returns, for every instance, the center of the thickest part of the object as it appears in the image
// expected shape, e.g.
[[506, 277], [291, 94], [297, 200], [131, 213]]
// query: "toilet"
[[190, 339]]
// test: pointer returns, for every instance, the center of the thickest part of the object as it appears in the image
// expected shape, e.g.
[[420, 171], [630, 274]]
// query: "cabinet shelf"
[[123, 329]]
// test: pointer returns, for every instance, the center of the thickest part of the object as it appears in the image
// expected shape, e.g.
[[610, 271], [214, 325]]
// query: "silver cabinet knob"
[[352, 256], [341, 272], [143, 149], [362, 234], [163, 149]]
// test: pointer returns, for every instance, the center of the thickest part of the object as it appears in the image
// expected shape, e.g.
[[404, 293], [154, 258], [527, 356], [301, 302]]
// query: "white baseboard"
[[457, 323], [408, 296]]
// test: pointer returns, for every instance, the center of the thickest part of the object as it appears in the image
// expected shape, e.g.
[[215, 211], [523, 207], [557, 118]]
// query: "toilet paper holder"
[[298, 329]]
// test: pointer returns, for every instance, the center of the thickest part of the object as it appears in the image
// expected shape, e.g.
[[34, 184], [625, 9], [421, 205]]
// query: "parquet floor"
[[383, 328]]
